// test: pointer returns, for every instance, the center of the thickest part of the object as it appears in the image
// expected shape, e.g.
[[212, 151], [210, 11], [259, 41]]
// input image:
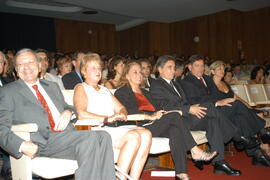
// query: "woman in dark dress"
[[170, 125], [248, 122]]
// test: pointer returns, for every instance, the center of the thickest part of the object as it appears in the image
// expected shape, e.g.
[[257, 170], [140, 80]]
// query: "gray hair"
[[162, 60], [24, 50]]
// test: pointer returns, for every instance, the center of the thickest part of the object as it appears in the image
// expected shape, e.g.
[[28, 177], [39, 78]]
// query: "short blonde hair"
[[89, 58], [217, 64]]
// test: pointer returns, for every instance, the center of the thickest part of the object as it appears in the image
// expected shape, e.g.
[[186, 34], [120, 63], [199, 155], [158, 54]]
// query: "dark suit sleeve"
[[196, 95], [8, 141], [164, 100], [125, 98]]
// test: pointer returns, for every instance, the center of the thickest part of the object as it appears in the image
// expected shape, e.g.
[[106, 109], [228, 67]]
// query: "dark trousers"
[[172, 126], [91, 149], [245, 119], [219, 129]]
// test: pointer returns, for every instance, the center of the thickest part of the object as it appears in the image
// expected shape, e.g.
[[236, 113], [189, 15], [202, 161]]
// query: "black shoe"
[[265, 137], [246, 143], [260, 160], [225, 168], [199, 164]]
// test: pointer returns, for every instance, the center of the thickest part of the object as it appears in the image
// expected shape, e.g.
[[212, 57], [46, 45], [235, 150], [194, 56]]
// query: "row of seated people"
[[165, 95]]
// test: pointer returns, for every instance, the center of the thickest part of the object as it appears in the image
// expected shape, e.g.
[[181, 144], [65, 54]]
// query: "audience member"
[[56, 136], [164, 124], [115, 70], [238, 73], [44, 64], [228, 76], [257, 75], [70, 80], [6, 170], [64, 66], [200, 89], [146, 72], [95, 102], [249, 118], [204, 116]]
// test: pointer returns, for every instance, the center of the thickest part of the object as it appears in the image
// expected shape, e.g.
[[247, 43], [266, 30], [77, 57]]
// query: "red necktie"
[[45, 106], [201, 79]]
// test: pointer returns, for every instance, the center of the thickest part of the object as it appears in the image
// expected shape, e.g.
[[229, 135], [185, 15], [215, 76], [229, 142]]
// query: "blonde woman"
[[95, 102]]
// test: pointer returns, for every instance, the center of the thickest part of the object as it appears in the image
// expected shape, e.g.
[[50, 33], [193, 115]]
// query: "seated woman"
[[95, 102], [64, 66], [115, 70], [257, 75], [165, 124], [249, 122]]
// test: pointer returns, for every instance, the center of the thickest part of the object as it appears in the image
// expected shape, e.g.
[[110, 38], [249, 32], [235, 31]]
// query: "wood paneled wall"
[[74, 35], [256, 35], [223, 35]]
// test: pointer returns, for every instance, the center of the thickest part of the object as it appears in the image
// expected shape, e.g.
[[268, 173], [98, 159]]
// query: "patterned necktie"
[[43, 102]]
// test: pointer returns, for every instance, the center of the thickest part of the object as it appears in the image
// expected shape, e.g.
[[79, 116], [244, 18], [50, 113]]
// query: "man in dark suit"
[[73, 78], [30, 100], [205, 117], [200, 88]]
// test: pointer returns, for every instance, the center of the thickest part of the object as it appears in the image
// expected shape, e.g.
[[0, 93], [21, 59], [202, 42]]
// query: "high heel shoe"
[[202, 157]]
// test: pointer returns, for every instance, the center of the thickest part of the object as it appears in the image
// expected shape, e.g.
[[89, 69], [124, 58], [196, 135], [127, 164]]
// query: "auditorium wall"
[[228, 35]]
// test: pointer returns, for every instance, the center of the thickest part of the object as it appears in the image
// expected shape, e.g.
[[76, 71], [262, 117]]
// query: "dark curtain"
[[23, 31]]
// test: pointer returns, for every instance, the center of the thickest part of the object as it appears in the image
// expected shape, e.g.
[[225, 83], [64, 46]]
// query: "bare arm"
[[80, 102]]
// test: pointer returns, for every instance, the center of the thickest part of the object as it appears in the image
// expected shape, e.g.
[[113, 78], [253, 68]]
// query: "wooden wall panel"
[[135, 40], [256, 36], [74, 35], [220, 35]]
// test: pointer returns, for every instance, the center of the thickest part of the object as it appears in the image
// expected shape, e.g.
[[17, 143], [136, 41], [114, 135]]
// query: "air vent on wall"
[[43, 5]]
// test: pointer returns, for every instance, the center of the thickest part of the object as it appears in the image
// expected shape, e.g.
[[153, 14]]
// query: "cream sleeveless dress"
[[100, 102]]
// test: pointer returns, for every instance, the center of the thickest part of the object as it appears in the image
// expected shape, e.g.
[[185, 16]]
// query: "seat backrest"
[[68, 95], [240, 91], [241, 82], [267, 91], [256, 93]]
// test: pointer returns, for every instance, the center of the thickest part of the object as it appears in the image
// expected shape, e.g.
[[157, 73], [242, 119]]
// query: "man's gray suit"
[[92, 150]]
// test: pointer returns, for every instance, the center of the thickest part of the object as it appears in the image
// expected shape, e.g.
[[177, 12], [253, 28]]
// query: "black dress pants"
[[172, 126], [219, 129]]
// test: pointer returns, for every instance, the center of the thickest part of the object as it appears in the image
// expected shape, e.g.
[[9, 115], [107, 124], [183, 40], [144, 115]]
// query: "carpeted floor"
[[239, 161]]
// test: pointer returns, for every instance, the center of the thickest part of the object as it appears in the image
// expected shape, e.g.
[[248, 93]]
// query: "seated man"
[[204, 117], [70, 80], [146, 72], [30, 100], [44, 63], [199, 88]]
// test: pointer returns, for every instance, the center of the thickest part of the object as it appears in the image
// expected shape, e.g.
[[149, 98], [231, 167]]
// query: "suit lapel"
[[27, 93], [77, 76], [170, 88], [51, 93], [198, 82]]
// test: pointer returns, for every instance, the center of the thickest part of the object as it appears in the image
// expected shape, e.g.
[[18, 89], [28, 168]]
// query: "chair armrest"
[[87, 122], [136, 117], [30, 127]]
